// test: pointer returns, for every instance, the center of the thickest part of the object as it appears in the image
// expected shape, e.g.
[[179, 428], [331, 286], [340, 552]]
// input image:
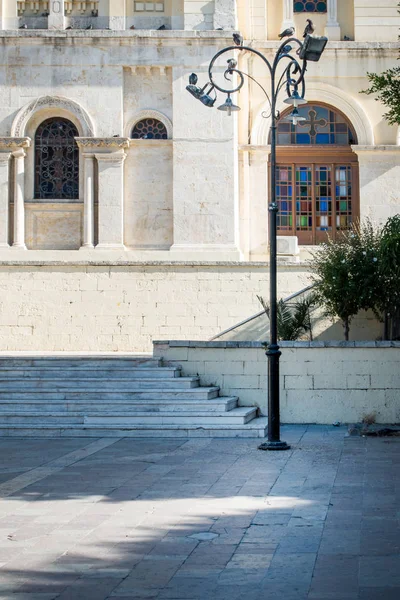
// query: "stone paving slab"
[[201, 519]]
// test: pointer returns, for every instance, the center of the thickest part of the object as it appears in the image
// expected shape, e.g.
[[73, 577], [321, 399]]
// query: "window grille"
[[56, 160], [311, 6], [149, 129]]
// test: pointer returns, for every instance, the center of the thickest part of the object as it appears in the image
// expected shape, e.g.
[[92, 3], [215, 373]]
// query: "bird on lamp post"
[[287, 33], [309, 28], [238, 39]]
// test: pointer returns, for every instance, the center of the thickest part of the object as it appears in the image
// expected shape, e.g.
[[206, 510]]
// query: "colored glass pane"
[[321, 126], [149, 129], [312, 6]]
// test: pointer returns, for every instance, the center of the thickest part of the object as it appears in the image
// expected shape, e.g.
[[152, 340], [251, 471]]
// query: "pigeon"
[[232, 63], [309, 28], [238, 39], [69, 27], [95, 13], [89, 27], [132, 27], [116, 135], [161, 28], [24, 26], [220, 29], [45, 14], [346, 38], [193, 79], [287, 33]]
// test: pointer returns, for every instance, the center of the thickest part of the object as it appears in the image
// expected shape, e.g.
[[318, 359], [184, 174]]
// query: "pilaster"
[[88, 204], [4, 198], [19, 206], [8, 14], [56, 19], [116, 12], [205, 178], [332, 29], [225, 15], [288, 18], [110, 156], [199, 15], [13, 147]]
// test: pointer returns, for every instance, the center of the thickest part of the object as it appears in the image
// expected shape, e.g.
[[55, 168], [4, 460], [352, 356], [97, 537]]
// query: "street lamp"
[[287, 71]]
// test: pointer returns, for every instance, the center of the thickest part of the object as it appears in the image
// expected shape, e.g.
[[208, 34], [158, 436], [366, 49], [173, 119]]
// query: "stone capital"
[[111, 157], [12, 144], [19, 153], [106, 143]]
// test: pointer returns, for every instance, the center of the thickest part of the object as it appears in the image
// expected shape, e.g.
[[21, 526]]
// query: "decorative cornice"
[[13, 143], [92, 142], [387, 148]]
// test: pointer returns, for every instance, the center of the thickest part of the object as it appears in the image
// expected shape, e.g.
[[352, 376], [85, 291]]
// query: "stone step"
[[95, 406], [237, 416], [255, 429], [79, 361], [92, 383], [198, 393], [97, 372]]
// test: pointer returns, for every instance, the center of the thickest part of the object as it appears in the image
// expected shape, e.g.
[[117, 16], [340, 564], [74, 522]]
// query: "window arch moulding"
[[51, 106], [149, 114], [325, 94]]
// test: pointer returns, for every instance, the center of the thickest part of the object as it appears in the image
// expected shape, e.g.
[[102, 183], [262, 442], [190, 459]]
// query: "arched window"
[[317, 175], [314, 6], [149, 129], [56, 160]]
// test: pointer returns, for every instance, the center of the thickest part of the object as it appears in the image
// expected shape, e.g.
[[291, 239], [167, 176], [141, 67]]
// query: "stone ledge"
[[312, 345], [179, 34], [23, 261]]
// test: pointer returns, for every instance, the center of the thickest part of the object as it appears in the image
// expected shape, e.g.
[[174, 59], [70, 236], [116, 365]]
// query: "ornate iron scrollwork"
[[56, 160]]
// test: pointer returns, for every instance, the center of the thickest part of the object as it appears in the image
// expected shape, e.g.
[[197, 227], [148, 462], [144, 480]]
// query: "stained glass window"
[[316, 184], [56, 160], [322, 126], [149, 129], [312, 6], [320, 200]]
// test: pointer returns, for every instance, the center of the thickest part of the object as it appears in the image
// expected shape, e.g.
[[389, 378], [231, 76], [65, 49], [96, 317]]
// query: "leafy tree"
[[389, 275], [345, 274], [387, 87]]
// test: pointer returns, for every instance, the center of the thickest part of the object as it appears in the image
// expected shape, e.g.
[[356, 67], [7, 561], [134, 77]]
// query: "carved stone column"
[[88, 210], [12, 147], [110, 156], [19, 191], [332, 29], [56, 19], [4, 198], [288, 19]]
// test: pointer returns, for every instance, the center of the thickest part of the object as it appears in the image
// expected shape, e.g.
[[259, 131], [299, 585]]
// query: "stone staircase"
[[124, 395]]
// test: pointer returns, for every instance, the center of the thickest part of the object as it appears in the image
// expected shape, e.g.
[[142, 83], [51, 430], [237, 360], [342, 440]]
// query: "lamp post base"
[[274, 446]]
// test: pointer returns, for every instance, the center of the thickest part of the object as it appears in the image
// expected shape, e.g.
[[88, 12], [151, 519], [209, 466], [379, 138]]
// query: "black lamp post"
[[287, 71]]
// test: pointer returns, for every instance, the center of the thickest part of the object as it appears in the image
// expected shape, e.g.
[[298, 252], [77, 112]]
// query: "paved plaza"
[[209, 519]]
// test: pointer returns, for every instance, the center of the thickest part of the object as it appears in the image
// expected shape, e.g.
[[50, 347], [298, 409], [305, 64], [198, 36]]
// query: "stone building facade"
[[129, 211]]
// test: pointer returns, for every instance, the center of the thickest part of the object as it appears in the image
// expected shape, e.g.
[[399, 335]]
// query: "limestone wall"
[[123, 306], [321, 382]]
